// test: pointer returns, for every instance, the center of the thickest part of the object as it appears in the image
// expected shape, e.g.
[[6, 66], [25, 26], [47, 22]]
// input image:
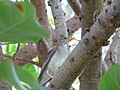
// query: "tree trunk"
[[91, 75]]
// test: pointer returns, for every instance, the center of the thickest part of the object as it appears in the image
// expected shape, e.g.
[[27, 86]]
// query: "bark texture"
[[100, 31], [91, 75], [27, 53], [5, 86], [113, 54], [59, 19], [62, 36], [73, 24]]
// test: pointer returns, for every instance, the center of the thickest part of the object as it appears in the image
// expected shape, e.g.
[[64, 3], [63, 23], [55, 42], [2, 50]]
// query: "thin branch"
[[18, 47], [28, 52], [18, 58], [111, 58]]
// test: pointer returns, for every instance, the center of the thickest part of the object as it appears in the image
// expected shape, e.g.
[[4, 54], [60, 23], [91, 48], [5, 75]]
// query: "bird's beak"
[[72, 38]]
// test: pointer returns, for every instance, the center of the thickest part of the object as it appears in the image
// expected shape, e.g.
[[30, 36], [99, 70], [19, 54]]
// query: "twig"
[[18, 58], [113, 62], [14, 55]]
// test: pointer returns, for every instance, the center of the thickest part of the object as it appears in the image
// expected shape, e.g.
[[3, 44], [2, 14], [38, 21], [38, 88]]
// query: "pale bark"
[[59, 19], [113, 54], [91, 75], [62, 36], [73, 24], [90, 44]]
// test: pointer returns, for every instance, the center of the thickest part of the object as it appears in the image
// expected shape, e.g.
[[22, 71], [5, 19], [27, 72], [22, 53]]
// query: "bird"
[[54, 60]]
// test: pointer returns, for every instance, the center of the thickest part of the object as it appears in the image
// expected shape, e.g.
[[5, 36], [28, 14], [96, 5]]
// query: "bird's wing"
[[44, 66]]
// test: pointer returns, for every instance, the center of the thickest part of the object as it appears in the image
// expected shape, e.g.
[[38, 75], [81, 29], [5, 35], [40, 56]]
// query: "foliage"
[[15, 74], [19, 24], [111, 80], [9, 48], [30, 68]]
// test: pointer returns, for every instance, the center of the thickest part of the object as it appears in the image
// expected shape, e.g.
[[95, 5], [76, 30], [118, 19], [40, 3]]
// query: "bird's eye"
[[65, 37], [69, 46]]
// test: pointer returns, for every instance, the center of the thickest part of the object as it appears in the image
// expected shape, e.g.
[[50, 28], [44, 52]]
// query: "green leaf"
[[111, 80], [15, 75], [30, 68], [22, 45], [10, 48], [7, 72], [17, 25]]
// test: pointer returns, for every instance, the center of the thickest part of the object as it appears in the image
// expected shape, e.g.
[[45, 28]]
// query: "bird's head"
[[65, 40]]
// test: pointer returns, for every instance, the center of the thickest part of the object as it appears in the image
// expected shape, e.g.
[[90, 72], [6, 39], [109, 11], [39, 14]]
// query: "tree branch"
[[75, 5], [43, 45], [76, 62], [113, 54], [18, 58], [28, 52], [73, 24], [59, 19], [91, 75]]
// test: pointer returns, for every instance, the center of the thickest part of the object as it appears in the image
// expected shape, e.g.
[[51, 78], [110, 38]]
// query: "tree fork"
[[76, 62]]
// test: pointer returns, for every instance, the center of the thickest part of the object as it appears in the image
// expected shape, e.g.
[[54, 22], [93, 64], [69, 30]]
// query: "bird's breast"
[[58, 59]]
